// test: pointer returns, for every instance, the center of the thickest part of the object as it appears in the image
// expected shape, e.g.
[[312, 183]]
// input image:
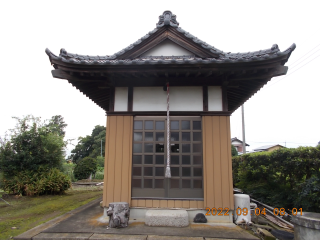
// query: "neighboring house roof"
[[266, 147], [233, 140]]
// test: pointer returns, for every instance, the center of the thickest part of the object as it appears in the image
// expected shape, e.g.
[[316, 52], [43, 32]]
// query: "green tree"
[[32, 144], [99, 139], [100, 161], [82, 149], [90, 146], [234, 151], [58, 125], [85, 167]]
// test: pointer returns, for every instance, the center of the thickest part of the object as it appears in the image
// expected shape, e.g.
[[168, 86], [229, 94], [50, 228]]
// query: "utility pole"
[[101, 147], [243, 132]]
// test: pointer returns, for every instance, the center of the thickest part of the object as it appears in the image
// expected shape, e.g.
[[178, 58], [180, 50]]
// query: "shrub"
[[85, 167], [100, 161], [100, 173], [68, 169], [39, 182], [287, 178]]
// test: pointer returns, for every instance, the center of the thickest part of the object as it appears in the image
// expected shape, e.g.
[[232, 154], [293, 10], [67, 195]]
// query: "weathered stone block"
[[119, 213], [167, 218]]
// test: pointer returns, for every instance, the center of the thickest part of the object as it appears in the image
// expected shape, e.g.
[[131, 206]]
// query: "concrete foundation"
[[306, 226]]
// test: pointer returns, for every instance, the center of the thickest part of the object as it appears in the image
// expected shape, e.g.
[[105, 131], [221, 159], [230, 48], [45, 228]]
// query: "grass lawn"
[[28, 212]]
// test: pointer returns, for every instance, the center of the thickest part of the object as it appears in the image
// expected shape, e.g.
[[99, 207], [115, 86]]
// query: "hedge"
[[287, 177]]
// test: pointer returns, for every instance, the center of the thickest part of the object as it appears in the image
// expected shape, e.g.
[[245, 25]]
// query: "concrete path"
[[82, 223]]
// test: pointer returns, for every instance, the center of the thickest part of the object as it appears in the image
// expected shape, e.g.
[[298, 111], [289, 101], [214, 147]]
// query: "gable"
[[167, 41], [167, 48]]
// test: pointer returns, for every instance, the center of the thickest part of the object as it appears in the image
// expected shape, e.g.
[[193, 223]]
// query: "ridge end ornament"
[[167, 19]]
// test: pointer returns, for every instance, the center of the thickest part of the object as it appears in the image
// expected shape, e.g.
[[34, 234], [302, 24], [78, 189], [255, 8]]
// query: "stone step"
[[166, 218]]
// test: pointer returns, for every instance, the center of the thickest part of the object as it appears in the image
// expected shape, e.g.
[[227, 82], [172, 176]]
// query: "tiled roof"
[[167, 18], [236, 139], [266, 147], [274, 52]]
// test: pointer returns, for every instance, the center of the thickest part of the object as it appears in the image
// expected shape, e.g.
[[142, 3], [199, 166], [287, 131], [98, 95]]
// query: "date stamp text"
[[245, 211]]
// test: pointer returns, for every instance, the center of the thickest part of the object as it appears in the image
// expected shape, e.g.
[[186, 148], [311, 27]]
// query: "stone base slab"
[[167, 218], [61, 236], [154, 237], [101, 236]]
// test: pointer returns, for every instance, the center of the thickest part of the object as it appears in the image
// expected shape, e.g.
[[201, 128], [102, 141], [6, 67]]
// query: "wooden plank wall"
[[118, 160], [167, 203], [217, 164]]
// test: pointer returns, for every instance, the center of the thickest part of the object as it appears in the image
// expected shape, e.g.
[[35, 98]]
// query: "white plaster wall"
[[186, 99], [155, 99], [167, 48], [214, 98], [149, 99], [121, 99]]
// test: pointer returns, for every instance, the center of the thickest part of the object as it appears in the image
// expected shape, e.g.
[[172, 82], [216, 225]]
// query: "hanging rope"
[[168, 171]]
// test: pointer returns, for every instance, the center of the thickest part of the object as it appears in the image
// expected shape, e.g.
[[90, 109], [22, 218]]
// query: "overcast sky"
[[285, 110]]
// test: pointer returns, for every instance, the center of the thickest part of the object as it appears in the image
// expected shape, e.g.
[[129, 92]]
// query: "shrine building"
[[168, 98]]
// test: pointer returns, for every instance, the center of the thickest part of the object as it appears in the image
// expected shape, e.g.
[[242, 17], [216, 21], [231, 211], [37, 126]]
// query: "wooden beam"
[[205, 98], [57, 73], [278, 71], [173, 113], [136, 76], [123, 75], [208, 74], [146, 45], [181, 68], [130, 99], [101, 98], [198, 74], [224, 96], [111, 100]]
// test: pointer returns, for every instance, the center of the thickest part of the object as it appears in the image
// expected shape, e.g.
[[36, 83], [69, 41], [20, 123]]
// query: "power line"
[[304, 59], [297, 64], [282, 142], [292, 72], [306, 54]]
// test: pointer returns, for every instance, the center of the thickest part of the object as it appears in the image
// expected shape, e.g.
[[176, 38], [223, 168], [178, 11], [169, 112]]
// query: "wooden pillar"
[[118, 160], [217, 162]]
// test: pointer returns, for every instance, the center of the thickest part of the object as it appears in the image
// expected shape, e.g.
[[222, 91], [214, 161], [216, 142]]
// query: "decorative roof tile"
[[167, 18]]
